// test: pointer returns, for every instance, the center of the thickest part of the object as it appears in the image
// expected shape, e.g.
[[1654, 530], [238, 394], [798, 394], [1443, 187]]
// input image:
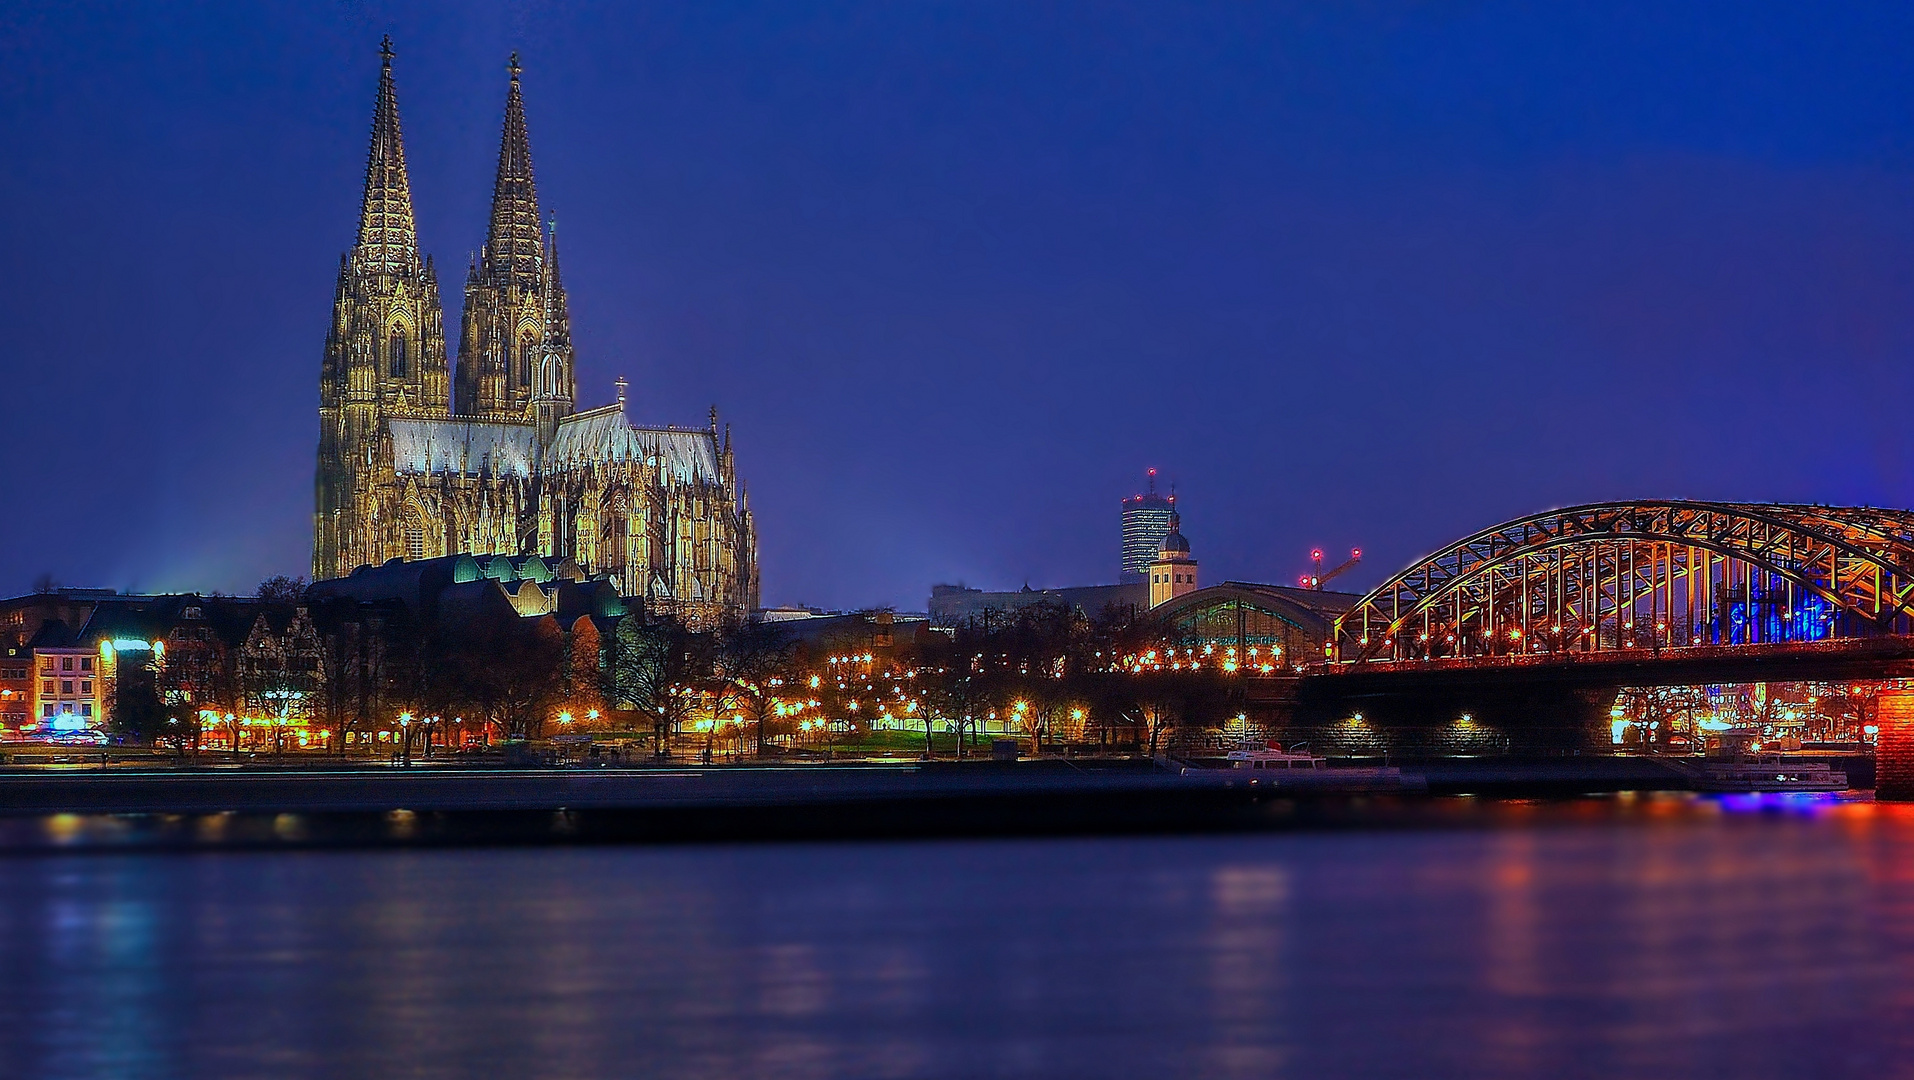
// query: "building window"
[[415, 543], [46, 663], [86, 710], [46, 686], [398, 352], [66, 663], [525, 362], [46, 710], [86, 663], [66, 686], [86, 686]]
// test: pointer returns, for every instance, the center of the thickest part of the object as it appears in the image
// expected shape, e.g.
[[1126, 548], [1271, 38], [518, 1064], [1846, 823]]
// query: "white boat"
[[1767, 772], [1273, 758]]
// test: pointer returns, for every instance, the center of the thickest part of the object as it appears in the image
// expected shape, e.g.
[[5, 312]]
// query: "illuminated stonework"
[[508, 466]]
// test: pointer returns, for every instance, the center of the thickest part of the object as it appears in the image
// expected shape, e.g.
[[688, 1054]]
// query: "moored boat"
[[1767, 772]]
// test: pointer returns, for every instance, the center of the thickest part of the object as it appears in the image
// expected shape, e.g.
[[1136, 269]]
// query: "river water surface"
[[1686, 938]]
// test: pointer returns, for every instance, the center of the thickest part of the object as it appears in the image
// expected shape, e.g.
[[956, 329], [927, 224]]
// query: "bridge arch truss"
[[1643, 575]]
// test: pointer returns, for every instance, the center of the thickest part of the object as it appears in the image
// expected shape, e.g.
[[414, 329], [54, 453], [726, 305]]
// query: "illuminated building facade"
[[16, 686], [67, 686], [419, 459], [1146, 520]]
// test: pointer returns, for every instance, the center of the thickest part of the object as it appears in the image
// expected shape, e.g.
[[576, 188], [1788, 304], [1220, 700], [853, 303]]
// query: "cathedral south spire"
[[385, 351], [388, 236]]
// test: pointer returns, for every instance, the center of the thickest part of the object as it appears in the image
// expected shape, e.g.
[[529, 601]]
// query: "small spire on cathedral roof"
[[621, 384], [385, 50]]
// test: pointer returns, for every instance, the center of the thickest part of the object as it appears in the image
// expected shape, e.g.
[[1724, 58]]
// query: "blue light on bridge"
[[1766, 618]]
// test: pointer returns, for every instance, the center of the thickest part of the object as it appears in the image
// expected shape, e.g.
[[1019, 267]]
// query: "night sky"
[[1359, 274]]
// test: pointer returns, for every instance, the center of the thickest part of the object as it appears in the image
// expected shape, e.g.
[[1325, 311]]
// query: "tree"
[[138, 709], [200, 675], [508, 671], [658, 667], [751, 658], [951, 684], [1177, 704], [358, 672], [281, 589]]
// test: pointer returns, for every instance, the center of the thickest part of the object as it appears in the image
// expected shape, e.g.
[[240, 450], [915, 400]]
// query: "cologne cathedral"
[[420, 459]]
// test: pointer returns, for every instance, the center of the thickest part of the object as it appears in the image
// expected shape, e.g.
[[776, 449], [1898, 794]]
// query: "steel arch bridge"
[[1634, 576]]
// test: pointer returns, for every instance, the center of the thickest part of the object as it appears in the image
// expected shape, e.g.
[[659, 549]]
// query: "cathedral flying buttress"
[[492, 457]]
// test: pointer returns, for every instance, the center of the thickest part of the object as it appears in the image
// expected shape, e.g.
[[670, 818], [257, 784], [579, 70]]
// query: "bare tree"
[[751, 660], [281, 589], [659, 668]]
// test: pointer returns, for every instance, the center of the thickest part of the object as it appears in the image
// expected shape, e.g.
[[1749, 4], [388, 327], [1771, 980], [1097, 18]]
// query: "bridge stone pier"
[[1894, 746], [1436, 713]]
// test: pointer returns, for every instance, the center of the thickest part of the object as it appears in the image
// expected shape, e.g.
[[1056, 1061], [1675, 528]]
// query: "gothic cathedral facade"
[[420, 458]]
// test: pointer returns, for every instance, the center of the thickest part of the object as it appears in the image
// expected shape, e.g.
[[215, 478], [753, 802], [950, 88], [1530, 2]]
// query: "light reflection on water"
[[1730, 938]]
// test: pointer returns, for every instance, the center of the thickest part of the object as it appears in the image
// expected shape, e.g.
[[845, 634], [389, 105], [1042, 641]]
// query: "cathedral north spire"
[[512, 243], [509, 363], [388, 236]]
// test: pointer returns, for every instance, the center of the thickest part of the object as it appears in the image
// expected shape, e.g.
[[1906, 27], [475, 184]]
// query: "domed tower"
[[1174, 571]]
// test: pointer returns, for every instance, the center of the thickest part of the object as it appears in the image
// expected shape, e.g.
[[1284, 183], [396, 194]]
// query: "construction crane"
[[1318, 578]]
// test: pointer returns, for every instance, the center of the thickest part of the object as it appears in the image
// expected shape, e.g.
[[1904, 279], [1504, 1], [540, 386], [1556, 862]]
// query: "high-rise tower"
[[385, 350], [1146, 520], [514, 300]]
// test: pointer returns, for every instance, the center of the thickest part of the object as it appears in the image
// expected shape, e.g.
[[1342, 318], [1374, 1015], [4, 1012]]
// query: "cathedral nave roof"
[[465, 447], [606, 435]]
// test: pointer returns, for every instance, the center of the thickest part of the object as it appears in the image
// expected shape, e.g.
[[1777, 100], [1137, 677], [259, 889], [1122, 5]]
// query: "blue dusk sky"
[[1364, 274]]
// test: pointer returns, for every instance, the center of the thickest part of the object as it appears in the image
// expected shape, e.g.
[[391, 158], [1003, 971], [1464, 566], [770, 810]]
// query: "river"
[[1675, 936]]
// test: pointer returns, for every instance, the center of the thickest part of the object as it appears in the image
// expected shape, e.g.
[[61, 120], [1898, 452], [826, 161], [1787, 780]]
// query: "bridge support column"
[[1894, 745]]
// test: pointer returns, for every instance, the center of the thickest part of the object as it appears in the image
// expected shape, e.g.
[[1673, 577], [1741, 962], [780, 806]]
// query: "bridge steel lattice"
[[1643, 575]]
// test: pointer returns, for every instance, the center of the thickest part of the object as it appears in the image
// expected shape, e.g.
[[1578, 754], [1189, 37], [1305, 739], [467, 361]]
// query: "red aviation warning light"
[[1318, 578]]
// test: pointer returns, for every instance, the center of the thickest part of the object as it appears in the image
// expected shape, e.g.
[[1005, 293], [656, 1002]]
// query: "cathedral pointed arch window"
[[617, 530], [396, 353], [414, 534], [525, 350]]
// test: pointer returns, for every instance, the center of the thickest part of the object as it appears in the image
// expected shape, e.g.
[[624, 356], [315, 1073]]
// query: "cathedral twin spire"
[[515, 346]]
